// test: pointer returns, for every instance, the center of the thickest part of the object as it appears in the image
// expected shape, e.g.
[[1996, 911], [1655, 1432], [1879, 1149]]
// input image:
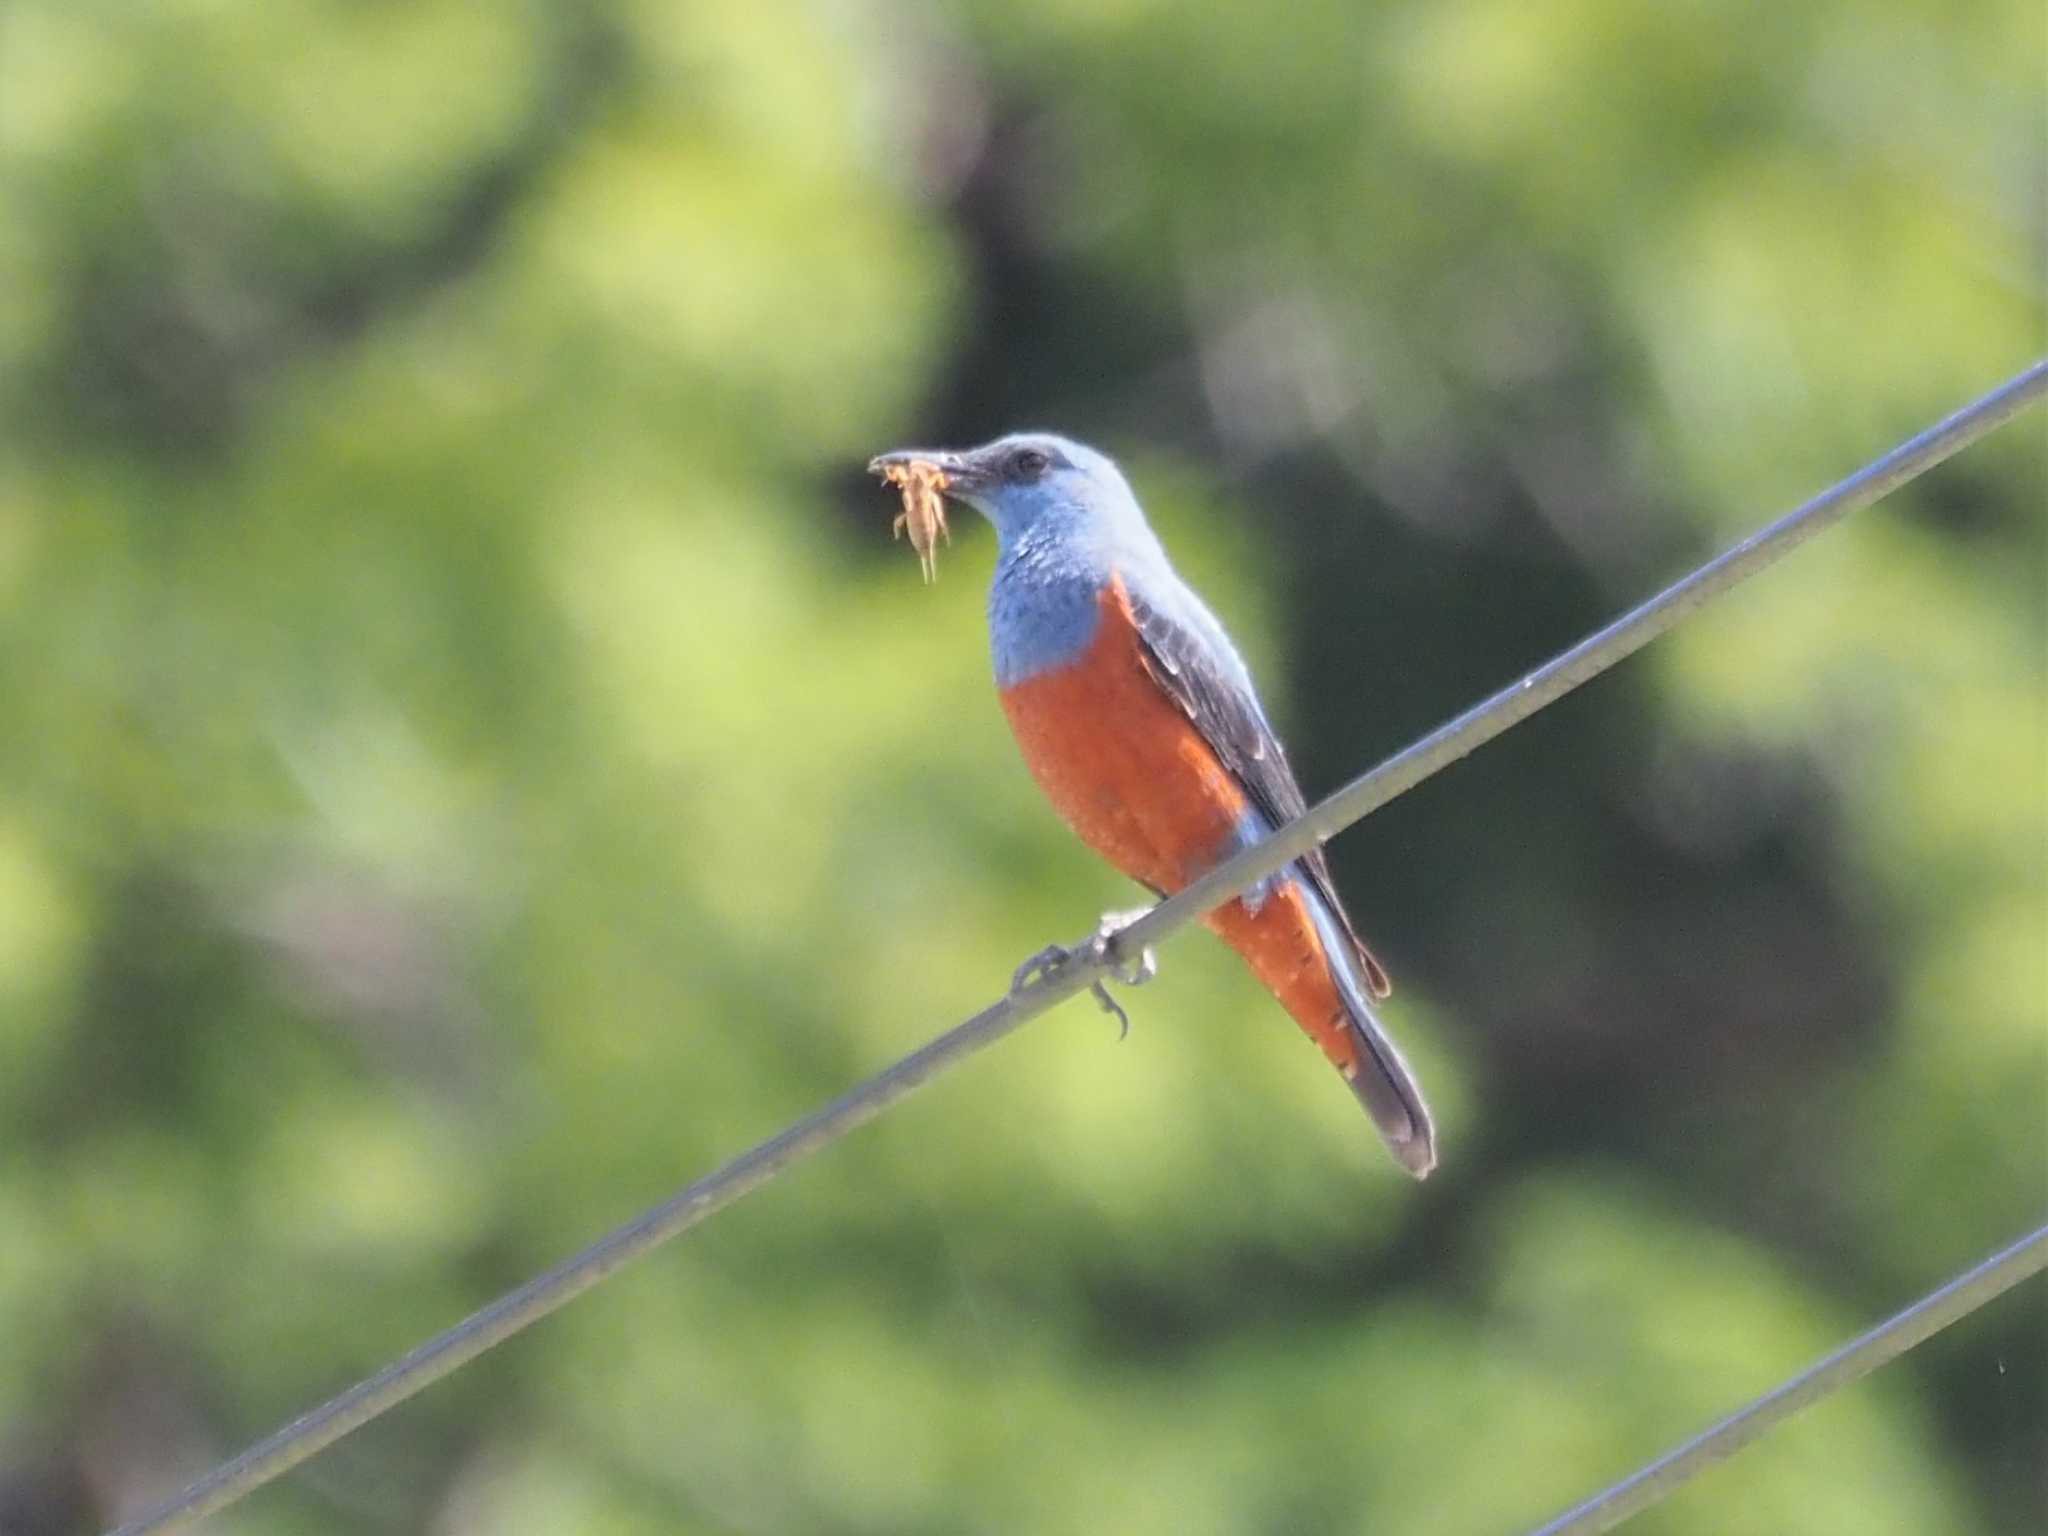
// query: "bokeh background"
[[473, 758]]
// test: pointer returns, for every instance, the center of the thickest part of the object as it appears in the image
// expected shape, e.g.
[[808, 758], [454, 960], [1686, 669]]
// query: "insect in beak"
[[920, 481]]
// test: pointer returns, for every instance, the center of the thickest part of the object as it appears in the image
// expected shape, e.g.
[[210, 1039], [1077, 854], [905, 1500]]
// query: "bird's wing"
[[1212, 687]]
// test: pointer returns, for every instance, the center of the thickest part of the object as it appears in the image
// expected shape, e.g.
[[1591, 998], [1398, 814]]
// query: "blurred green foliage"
[[474, 759]]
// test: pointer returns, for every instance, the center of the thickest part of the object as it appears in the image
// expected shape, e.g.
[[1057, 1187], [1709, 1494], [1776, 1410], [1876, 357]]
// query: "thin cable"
[[520, 1309], [1882, 1345], [1586, 660]]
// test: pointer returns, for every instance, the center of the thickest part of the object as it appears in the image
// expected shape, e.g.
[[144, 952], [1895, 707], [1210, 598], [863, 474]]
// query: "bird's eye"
[[1029, 463]]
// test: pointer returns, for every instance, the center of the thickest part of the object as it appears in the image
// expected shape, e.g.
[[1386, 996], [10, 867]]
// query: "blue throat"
[[1044, 603], [1060, 538]]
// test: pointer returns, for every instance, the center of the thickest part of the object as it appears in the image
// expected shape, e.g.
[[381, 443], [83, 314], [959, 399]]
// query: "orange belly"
[[1127, 769]]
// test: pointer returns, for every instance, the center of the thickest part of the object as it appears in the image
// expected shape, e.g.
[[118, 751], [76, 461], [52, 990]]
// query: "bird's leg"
[[1098, 947], [1102, 946]]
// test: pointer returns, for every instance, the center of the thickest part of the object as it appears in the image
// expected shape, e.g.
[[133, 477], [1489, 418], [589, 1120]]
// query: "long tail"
[[1306, 957], [1382, 1079]]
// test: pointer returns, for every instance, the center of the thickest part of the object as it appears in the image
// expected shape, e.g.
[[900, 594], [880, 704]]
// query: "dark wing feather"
[[1230, 720]]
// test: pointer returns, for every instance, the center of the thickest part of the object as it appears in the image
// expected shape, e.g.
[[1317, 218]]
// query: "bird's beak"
[[961, 472]]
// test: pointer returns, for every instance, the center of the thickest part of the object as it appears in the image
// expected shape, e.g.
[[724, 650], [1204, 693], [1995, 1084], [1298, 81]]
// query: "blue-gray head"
[[1035, 485]]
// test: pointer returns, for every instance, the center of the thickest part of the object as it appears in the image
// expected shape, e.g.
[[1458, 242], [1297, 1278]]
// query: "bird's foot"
[[1132, 971], [1098, 948]]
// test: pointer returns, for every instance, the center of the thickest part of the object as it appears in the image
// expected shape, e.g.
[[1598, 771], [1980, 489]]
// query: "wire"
[[1882, 1345], [520, 1309], [1588, 659]]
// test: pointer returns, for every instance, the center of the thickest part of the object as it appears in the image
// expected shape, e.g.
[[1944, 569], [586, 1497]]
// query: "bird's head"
[[1032, 482]]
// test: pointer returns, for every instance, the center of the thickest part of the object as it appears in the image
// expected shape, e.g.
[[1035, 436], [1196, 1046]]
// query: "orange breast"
[[1122, 762]]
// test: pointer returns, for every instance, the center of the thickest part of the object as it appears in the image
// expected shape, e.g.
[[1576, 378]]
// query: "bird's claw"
[[1099, 948], [1133, 971]]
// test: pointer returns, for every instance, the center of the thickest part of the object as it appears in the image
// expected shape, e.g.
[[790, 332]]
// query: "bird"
[[1138, 719]]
